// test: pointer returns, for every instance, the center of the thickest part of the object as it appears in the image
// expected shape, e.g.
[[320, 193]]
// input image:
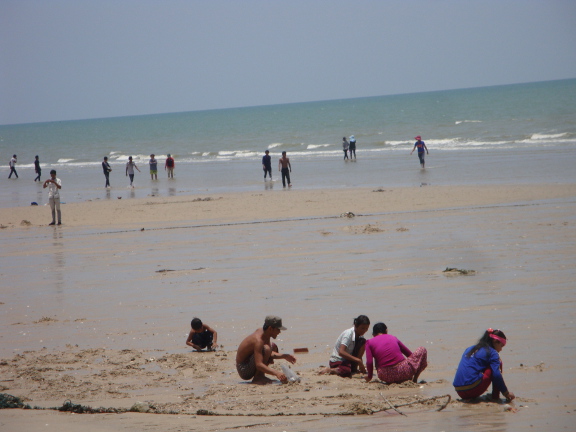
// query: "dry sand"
[[89, 316]]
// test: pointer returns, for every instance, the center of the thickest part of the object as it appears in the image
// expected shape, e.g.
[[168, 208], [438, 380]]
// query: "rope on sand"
[[9, 401]]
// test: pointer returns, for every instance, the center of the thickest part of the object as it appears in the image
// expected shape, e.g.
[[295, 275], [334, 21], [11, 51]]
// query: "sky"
[[79, 59]]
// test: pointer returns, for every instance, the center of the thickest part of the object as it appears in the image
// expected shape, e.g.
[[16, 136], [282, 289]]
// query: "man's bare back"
[[256, 352]]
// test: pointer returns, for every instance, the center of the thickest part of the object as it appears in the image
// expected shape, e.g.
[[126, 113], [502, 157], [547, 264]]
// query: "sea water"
[[523, 133]]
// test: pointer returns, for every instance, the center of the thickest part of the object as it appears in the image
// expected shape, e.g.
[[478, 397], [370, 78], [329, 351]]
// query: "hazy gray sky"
[[75, 59]]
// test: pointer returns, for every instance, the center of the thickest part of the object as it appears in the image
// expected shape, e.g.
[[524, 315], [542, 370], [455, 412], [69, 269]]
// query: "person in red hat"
[[421, 148]]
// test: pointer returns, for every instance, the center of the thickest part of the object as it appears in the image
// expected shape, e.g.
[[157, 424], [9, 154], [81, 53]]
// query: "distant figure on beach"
[[352, 147], [421, 146], [285, 168], [481, 365], [389, 352], [267, 164], [153, 167], [37, 168], [202, 336], [130, 170], [345, 146], [348, 350], [169, 166], [54, 185], [12, 165], [106, 169], [256, 353]]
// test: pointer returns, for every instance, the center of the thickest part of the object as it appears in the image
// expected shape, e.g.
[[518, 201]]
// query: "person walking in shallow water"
[[352, 148], [130, 170], [267, 164], [153, 167], [37, 168], [345, 146], [169, 166], [421, 146], [13, 166], [285, 168], [106, 168]]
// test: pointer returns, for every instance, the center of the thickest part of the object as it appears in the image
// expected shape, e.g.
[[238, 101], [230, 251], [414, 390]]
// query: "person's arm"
[[288, 357], [46, 183], [413, 149], [425, 148], [214, 335], [280, 165], [136, 166], [344, 354], [369, 363], [126, 170], [189, 341], [497, 377], [58, 184], [289, 166], [404, 349], [259, 362]]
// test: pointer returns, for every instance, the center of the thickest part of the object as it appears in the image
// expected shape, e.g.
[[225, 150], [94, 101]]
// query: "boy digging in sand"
[[202, 336], [256, 353]]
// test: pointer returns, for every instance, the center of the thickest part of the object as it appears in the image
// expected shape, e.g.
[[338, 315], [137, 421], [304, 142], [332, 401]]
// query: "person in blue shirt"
[[481, 366], [421, 146], [267, 164]]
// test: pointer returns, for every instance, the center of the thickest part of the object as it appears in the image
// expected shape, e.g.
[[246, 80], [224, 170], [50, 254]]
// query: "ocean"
[[522, 133]]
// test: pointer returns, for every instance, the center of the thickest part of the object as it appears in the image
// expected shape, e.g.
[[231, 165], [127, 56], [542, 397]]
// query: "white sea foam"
[[315, 146], [65, 160], [467, 121], [538, 136]]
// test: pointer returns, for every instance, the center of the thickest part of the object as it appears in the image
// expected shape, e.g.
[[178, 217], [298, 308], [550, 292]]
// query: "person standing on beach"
[[130, 170], [256, 352], [153, 167], [267, 164], [421, 146], [13, 166], [169, 166], [37, 168], [285, 168], [345, 147], [106, 168], [54, 185], [352, 148]]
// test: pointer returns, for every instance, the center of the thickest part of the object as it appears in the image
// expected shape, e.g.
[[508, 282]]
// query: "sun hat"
[[418, 138]]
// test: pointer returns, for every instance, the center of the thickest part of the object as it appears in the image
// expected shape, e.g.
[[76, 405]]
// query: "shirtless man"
[[256, 353], [285, 168]]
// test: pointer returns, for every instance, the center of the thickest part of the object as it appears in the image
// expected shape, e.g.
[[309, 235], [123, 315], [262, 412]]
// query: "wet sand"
[[97, 311]]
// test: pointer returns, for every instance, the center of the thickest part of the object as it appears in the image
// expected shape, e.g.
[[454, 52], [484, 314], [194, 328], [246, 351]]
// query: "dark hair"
[[379, 328], [362, 319], [196, 323], [486, 341], [52, 171]]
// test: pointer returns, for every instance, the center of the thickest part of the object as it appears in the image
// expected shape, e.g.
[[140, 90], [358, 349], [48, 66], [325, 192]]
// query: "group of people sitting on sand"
[[479, 366]]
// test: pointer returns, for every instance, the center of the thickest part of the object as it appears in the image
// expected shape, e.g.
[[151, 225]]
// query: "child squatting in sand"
[[202, 336]]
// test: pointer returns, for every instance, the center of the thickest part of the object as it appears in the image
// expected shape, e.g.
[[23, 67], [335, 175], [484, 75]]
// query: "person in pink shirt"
[[394, 362]]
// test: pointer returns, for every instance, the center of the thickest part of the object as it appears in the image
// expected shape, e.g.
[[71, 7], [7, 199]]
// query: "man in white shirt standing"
[[54, 185]]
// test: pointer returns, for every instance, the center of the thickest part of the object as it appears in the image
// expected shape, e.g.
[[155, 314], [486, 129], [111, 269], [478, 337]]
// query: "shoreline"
[[277, 205]]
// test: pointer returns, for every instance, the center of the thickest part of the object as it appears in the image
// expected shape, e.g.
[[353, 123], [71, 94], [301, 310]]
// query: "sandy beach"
[[97, 311]]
